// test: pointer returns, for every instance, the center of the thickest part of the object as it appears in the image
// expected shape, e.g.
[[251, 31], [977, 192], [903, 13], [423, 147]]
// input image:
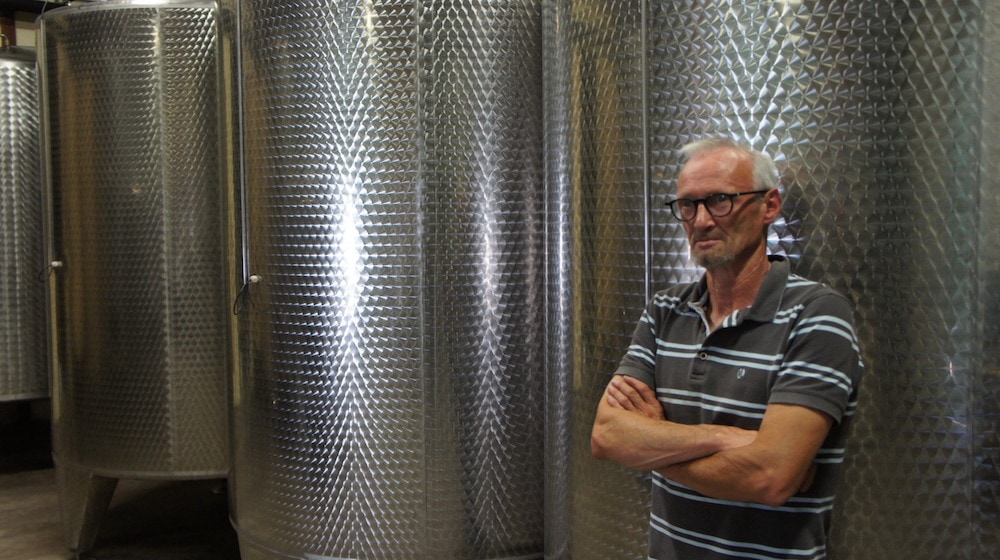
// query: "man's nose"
[[702, 217]]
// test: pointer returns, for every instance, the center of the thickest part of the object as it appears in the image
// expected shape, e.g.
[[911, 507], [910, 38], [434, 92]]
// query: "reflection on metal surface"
[[389, 401], [139, 308], [23, 372], [596, 208], [880, 115]]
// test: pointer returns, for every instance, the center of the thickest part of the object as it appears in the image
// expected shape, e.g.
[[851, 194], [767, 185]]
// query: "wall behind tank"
[[24, 25], [879, 115], [18, 27]]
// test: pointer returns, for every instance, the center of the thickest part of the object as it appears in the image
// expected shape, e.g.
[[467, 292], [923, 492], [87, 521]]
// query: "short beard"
[[709, 262]]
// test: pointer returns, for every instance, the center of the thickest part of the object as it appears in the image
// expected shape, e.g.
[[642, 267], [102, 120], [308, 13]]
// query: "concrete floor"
[[147, 520]]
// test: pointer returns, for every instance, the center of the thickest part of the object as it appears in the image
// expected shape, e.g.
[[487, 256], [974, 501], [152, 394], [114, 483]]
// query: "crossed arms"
[[766, 466]]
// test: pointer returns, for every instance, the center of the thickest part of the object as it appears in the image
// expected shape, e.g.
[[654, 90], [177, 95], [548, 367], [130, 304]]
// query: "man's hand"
[[631, 394]]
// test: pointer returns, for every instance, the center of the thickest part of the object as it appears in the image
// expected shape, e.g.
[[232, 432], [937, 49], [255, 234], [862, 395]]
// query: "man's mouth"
[[704, 241]]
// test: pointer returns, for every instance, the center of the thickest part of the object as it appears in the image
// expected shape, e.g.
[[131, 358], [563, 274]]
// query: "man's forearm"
[[637, 442], [720, 476], [727, 476], [777, 465]]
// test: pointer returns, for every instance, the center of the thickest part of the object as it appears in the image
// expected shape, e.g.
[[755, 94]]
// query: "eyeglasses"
[[717, 205]]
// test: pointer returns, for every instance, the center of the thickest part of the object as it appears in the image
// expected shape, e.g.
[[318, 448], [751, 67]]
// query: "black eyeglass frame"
[[731, 197]]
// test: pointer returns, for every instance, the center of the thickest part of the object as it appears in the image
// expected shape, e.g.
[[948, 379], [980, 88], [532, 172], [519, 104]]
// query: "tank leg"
[[84, 498]]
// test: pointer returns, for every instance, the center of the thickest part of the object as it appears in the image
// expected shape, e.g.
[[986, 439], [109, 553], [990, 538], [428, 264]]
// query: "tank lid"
[[96, 5], [9, 52]]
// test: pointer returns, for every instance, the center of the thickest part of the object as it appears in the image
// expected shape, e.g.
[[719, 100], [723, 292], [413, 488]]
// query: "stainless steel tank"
[[598, 265], [883, 117], [138, 297], [23, 367], [389, 401]]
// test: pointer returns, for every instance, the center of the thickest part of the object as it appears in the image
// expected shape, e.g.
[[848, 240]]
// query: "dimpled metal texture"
[[23, 371], [882, 117], [597, 277], [389, 402], [140, 304], [873, 110]]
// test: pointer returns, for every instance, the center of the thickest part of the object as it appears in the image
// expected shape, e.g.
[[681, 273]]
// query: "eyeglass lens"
[[717, 205]]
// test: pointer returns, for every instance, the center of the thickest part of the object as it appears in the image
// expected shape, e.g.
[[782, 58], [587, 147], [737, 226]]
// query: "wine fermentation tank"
[[388, 402], [138, 296], [23, 370]]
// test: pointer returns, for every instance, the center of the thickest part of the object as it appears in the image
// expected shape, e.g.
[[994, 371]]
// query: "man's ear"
[[772, 205]]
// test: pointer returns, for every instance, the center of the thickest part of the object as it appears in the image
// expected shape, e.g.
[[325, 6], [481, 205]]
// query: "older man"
[[737, 390]]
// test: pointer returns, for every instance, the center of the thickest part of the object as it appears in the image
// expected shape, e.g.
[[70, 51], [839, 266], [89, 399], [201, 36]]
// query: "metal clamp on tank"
[[244, 298]]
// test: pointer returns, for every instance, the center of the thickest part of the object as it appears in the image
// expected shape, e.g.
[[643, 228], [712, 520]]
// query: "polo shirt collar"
[[768, 300]]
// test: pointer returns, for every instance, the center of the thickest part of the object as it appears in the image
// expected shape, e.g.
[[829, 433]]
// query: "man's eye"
[[718, 199], [685, 203]]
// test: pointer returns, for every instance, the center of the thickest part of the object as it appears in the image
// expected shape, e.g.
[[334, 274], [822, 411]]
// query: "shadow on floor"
[[146, 520], [168, 520], [25, 438]]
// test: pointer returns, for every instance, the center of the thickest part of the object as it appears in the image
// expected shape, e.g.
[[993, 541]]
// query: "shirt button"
[[702, 355]]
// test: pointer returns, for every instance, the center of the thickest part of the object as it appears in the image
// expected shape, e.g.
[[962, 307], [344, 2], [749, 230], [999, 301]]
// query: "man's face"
[[722, 241]]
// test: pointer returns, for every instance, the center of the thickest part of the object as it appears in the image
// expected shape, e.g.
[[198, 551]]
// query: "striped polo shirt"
[[795, 345]]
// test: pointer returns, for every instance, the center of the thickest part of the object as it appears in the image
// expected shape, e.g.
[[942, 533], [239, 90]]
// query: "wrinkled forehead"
[[721, 170]]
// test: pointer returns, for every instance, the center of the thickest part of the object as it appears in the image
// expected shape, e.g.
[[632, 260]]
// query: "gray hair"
[[765, 172]]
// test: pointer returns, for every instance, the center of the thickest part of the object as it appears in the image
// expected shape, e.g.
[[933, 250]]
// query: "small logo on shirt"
[[741, 373]]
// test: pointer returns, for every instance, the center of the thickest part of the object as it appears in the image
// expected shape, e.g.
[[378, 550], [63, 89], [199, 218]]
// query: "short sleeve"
[[822, 365]]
